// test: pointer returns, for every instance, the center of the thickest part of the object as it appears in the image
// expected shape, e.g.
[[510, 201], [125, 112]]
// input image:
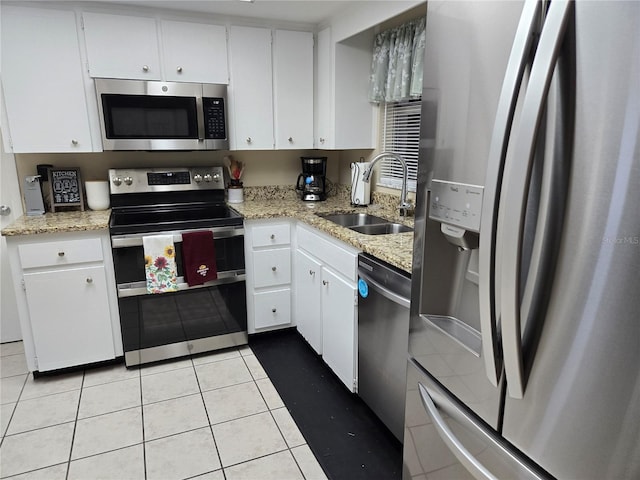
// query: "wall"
[[280, 167]]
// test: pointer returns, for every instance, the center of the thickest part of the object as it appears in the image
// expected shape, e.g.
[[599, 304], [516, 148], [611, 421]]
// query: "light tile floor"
[[211, 417]]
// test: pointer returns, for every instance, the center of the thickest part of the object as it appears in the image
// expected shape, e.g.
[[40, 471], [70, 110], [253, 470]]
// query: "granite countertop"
[[59, 222], [396, 249]]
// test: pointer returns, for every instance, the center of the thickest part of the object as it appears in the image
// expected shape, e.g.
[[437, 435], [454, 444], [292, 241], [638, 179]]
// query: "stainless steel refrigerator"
[[524, 343]]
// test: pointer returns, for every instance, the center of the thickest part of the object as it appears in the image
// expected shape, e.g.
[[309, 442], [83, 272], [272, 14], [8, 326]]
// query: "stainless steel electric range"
[[193, 319]]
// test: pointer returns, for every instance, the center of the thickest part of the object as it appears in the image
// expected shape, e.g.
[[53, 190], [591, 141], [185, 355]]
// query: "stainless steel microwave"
[[152, 115]]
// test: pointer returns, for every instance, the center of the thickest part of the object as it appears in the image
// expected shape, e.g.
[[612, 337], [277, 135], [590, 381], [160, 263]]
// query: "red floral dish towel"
[[160, 264]]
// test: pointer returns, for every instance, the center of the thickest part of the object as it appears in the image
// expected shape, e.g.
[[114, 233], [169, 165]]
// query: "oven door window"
[[149, 117], [161, 319]]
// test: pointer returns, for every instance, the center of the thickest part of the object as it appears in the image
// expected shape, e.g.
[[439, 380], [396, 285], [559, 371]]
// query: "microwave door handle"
[[511, 85], [200, 117]]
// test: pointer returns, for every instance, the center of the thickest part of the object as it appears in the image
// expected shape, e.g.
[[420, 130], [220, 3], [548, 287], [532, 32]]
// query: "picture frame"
[[65, 188]]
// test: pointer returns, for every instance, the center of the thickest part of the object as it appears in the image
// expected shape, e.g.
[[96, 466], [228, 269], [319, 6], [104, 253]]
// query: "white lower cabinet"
[[81, 332], [268, 270], [326, 301], [66, 297], [307, 272]]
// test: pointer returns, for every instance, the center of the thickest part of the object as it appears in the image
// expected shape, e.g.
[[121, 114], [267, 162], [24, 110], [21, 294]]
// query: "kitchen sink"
[[381, 228], [365, 223], [352, 219]]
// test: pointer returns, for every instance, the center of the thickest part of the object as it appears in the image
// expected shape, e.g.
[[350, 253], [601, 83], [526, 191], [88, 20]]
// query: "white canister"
[[236, 195], [97, 194]]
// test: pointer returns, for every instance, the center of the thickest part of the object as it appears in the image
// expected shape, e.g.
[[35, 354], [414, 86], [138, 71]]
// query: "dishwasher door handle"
[[384, 291]]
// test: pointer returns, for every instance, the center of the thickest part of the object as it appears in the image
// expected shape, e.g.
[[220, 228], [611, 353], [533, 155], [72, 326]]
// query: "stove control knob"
[[128, 180], [216, 177], [208, 177], [117, 181], [197, 178]]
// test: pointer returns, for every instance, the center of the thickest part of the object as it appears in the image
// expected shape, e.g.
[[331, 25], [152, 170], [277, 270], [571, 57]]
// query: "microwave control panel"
[[214, 118]]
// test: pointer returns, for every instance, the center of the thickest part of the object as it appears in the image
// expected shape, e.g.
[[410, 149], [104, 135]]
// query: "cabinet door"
[[324, 100], [120, 46], [293, 89], [70, 321], [42, 80], [339, 327], [307, 299], [194, 52], [251, 88]]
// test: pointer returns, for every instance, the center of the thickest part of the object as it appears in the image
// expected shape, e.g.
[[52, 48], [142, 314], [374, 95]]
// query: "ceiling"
[[300, 11]]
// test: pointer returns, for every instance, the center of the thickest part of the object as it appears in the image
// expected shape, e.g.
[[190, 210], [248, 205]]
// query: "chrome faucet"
[[405, 206]]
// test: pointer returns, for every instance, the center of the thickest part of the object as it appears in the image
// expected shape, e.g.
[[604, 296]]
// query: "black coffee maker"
[[311, 184]]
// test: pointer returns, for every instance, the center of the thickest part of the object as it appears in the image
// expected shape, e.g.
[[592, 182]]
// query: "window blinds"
[[401, 135]]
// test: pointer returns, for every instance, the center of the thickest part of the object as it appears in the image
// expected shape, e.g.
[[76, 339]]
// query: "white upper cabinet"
[[251, 88], [121, 46], [293, 89], [344, 117], [324, 126], [194, 52], [43, 83]]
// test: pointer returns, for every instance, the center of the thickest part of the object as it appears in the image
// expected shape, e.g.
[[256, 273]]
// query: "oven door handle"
[[135, 240], [136, 289]]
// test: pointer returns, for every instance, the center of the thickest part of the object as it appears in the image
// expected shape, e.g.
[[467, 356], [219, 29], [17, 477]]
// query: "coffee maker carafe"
[[311, 184]]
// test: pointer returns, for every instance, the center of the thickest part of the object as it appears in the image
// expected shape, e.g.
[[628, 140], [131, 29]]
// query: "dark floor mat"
[[349, 441]]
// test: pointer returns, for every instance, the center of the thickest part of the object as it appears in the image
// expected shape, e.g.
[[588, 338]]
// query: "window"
[[401, 135]]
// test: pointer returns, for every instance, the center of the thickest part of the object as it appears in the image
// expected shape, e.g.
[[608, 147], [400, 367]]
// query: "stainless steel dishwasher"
[[383, 331]]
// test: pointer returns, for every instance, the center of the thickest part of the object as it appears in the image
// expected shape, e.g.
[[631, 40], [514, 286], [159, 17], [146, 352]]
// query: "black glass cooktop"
[[165, 218]]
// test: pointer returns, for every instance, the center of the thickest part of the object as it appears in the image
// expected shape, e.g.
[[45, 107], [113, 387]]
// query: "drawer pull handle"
[[61, 254], [324, 282], [273, 269], [273, 310], [89, 280], [273, 236], [311, 272]]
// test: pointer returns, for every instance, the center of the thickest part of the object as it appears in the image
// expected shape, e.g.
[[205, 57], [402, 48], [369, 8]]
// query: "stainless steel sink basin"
[[352, 219], [381, 228]]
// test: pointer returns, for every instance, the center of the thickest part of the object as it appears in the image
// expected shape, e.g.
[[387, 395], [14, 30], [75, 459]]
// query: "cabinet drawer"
[[272, 308], [329, 253], [271, 235], [66, 252], [272, 267]]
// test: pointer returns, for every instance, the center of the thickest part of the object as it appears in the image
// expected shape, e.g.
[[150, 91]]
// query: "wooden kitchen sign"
[[65, 188]]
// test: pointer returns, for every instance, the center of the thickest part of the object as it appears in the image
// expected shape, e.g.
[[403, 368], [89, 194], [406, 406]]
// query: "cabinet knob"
[[89, 280], [321, 140], [5, 210], [324, 282], [273, 237], [273, 310], [311, 272], [248, 139], [145, 68], [273, 269], [74, 141], [290, 139], [179, 69], [61, 254]]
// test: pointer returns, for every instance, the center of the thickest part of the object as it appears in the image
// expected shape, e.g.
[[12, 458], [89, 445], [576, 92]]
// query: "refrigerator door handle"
[[518, 60], [448, 437], [517, 190]]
